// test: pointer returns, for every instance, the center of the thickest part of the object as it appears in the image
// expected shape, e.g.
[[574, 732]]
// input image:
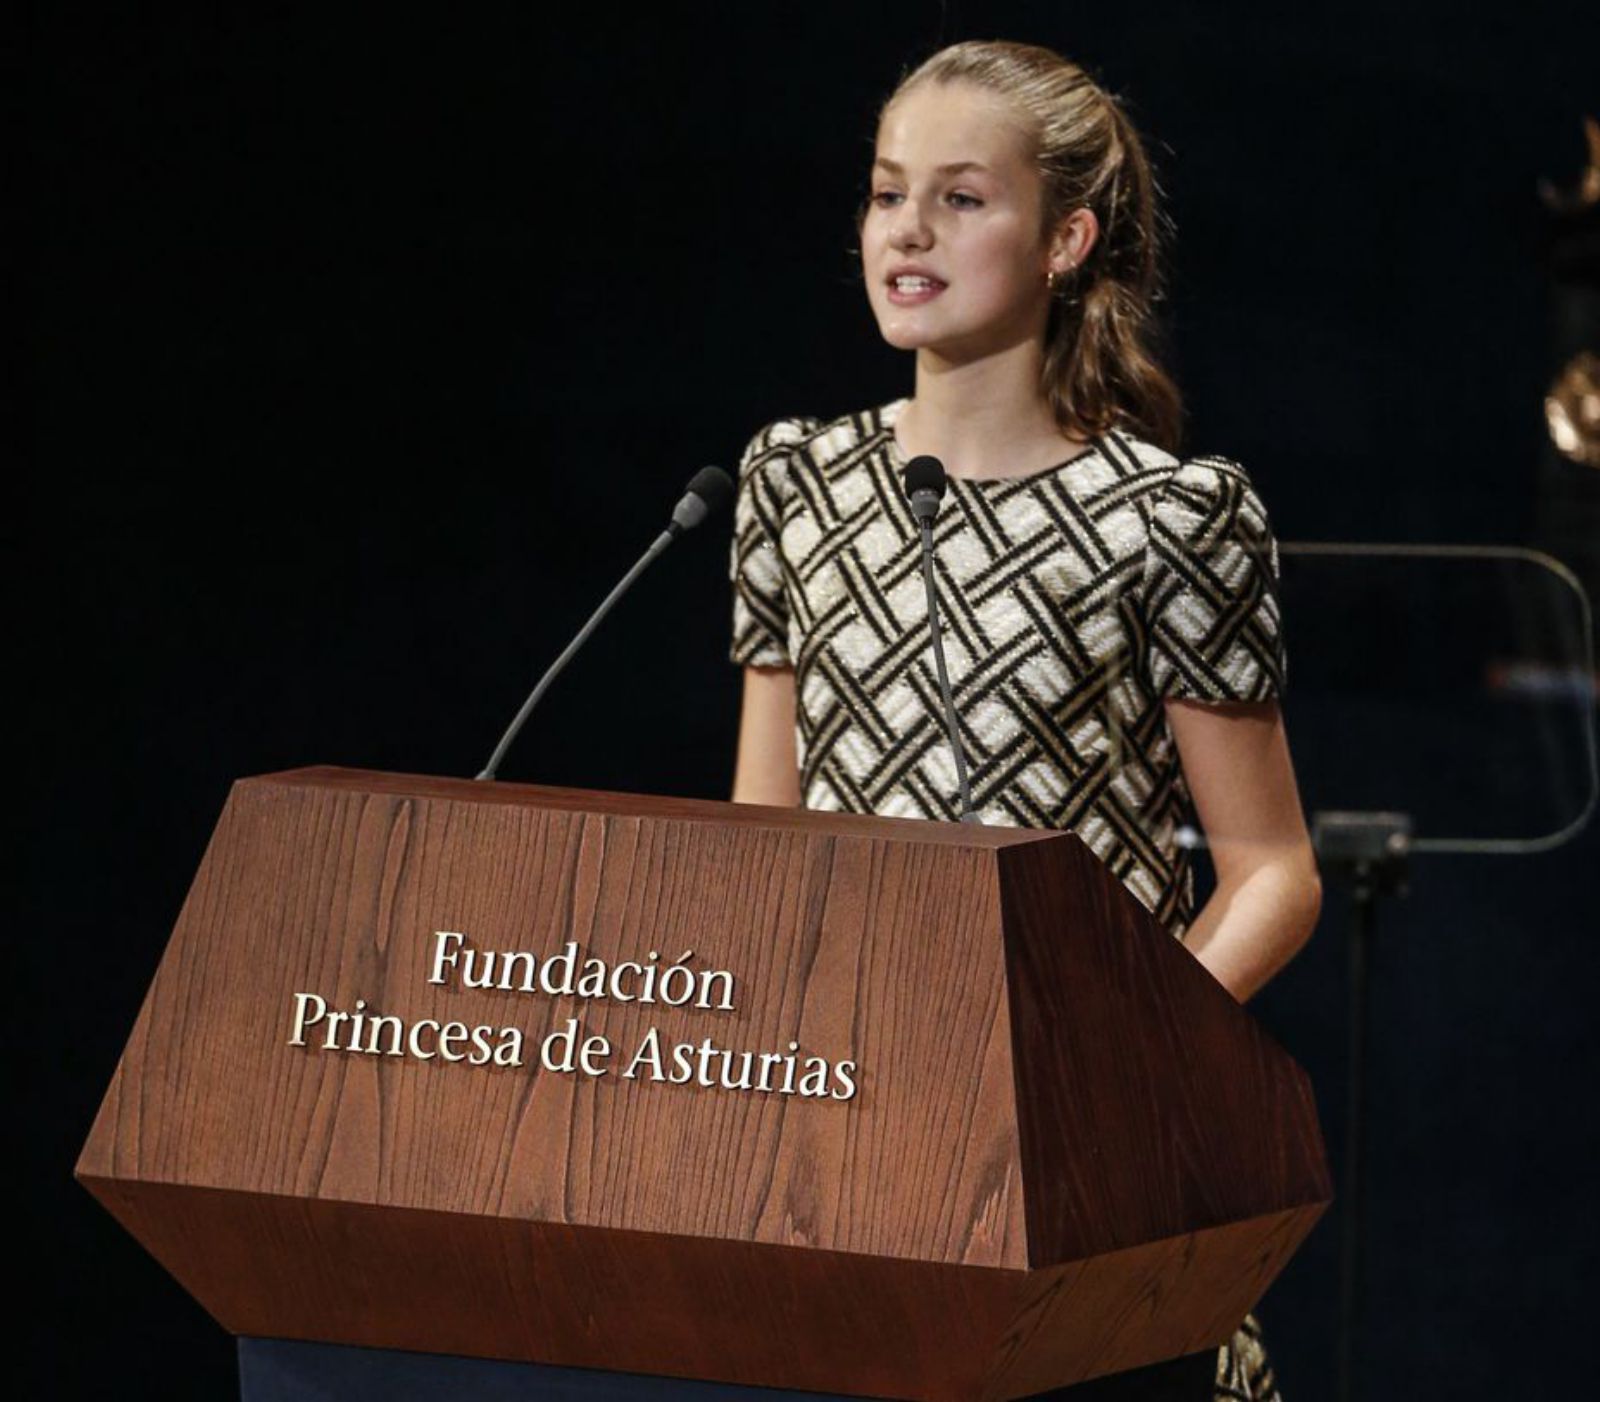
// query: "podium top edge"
[[632, 805]]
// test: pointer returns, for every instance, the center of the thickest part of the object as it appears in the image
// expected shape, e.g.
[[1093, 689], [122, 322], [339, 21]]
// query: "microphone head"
[[713, 486], [925, 474], [708, 489]]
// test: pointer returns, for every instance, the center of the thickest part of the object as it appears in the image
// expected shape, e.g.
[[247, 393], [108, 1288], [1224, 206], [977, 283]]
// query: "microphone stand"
[[924, 487], [657, 546], [707, 490], [956, 748], [1369, 850]]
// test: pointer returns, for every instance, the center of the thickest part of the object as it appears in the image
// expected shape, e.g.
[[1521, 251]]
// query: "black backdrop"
[[365, 352]]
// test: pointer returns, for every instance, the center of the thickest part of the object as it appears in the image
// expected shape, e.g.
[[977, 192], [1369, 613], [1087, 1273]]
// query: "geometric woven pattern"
[[1074, 601]]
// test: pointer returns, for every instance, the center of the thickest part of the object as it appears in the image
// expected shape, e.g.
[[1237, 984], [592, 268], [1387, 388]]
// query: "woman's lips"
[[914, 295]]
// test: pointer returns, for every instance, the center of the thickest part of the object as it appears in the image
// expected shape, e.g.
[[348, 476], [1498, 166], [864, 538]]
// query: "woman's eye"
[[882, 197]]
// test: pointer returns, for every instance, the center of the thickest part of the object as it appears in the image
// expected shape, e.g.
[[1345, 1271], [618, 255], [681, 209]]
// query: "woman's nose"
[[909, 227]]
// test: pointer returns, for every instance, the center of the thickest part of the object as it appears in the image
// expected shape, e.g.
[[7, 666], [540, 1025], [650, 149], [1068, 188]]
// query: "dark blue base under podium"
[[283, 1370]]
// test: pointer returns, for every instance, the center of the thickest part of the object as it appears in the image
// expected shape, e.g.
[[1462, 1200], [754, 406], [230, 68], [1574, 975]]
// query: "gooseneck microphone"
[[924, 484], [708, 489]]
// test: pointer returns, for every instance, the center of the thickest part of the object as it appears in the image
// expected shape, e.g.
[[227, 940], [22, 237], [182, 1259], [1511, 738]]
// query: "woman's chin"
[[903, 342], [939, 349], [902, 337]]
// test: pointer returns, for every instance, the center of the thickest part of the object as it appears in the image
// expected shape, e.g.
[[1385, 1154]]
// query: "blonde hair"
[[1099, 368]]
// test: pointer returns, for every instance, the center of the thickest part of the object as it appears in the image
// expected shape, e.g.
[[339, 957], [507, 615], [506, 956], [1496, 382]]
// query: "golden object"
[[1586, 193], [1572, 409]]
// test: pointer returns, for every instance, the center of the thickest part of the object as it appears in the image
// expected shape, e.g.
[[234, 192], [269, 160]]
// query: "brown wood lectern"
[[766, 1096]]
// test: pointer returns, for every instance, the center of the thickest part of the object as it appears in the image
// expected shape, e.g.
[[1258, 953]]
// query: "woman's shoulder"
[[1167, 475], [791, 428], [815, 440], [768, 456], [1197, 506]]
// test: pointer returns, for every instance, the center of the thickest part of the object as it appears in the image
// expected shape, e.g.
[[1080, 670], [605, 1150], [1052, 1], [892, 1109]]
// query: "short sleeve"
[[1210, 588], [755, 562]]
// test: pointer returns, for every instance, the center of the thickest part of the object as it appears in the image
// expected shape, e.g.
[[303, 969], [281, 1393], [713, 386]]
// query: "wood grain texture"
[[1065, 1157], [685, 1307], [1149, 1103], [689, 810]]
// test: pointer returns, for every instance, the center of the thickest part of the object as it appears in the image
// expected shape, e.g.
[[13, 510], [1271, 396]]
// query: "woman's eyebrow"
[[895, 168]]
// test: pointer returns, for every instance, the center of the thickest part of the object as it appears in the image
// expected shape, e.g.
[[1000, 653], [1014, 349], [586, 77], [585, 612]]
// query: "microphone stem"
[[967, 815], [661, 543]]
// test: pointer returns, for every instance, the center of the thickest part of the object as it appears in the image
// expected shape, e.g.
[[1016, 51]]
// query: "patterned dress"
[[1074, 602]]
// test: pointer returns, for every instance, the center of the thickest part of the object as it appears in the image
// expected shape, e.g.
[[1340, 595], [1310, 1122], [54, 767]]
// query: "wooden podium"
[[425, 1067]]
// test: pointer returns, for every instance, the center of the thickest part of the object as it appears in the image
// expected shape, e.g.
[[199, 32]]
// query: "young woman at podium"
[[1109, 606]]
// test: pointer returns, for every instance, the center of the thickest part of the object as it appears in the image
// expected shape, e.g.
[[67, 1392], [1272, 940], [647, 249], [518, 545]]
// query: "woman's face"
[[954, 196]]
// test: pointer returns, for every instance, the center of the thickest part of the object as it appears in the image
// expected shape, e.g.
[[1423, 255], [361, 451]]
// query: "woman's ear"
[[1074, 239]]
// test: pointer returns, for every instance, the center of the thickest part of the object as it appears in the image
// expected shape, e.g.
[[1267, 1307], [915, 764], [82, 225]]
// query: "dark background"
[[365, 352]]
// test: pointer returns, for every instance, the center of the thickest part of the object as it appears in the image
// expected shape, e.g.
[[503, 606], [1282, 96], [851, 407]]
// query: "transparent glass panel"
[[1455, 685]]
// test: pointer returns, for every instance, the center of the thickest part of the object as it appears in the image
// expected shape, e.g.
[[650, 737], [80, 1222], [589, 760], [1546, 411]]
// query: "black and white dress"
[[1075, 601]]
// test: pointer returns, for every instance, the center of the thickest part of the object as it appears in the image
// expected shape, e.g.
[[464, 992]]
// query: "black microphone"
[[924, 484], [706, 492], [708, 489]]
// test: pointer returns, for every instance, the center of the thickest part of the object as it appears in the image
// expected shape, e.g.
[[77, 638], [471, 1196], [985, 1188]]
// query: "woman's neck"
[[984, 419]]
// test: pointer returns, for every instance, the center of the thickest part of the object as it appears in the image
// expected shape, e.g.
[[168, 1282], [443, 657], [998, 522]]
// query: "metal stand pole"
[[1370, 850]]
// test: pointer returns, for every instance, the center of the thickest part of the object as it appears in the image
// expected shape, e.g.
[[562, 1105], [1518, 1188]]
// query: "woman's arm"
[[1235, 759], [767, 769]]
